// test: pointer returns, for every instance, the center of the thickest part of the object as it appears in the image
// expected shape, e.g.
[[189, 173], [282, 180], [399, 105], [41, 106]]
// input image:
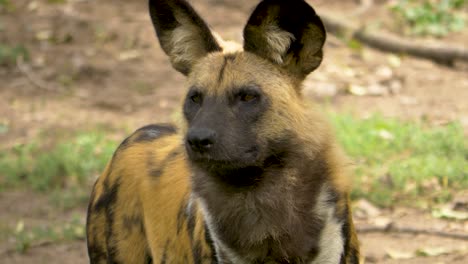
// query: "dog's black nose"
[[201, 139]]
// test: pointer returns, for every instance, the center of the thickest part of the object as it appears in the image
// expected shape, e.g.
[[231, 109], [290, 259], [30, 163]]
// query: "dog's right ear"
[[183, 35], [288, 33]]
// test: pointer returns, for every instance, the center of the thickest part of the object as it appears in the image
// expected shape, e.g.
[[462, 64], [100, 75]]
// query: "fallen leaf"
[[19, 227], [406, 100], [434, 251], [44, 35], [79, 231], [129, 55], [383, 222], [450, 214], [357, 90], [394, 61], [399, 254], [385, 134], [366, 209], [33, 5]]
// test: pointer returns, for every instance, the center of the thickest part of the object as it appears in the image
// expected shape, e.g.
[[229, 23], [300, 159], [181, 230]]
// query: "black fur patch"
[[181, 216], [197, 252], [108, 198], [296, 17], [131, 222], [348, 252], [157, 170], [333, 198], [95, 252], [106, 203], [227, 58], [149, 259], [210, 243], [146, 134], [353, 256], [164, 256]]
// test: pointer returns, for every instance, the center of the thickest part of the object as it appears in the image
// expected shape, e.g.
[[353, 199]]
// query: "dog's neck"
[[280, 219]]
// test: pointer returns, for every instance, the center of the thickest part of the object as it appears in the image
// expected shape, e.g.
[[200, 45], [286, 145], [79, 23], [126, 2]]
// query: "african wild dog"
[[252, 176]]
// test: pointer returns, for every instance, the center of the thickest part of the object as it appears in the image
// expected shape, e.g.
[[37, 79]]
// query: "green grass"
[[427, 17], [64, 170], [9, 54], [4, 3], [404, 162], [26, 236]]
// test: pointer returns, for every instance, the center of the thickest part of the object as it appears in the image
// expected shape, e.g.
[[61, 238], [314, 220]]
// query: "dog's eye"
[[248, 97], [195, 97]]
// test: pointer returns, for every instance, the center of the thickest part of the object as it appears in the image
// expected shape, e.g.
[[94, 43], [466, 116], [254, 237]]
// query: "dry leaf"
[[129, 55], [19, 227], [434, 251], [44, 35], [399, 254], [385, 134], [357, 90], [450, 214], [394, 61], [383, 222], [366, 209]]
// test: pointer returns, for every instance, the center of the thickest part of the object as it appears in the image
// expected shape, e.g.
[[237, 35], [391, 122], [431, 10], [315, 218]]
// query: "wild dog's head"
[[243, 109]]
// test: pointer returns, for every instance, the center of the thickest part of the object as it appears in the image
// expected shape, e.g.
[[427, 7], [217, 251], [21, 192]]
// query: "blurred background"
[[78, 76]]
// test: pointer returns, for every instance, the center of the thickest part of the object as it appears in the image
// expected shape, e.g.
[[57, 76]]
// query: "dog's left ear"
[[182, 33], [288, 33]]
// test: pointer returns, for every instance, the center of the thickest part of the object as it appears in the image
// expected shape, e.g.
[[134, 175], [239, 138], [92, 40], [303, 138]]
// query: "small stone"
[[395, 86], [384, 72], [356, 89], [325, 90], [377, 89], [407, 100], [319, 88], [366, 209]]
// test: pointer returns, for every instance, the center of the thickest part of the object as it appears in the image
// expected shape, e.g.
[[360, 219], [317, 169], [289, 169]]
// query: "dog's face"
[[227, 110], [241, 108]]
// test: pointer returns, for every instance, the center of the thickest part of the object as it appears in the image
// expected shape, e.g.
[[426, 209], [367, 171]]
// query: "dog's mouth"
[[239, 173], [211, 159]]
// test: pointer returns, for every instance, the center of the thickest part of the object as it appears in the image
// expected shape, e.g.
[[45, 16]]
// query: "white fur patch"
[[219, 246], [331, 244], [227, 45], [279, 41]]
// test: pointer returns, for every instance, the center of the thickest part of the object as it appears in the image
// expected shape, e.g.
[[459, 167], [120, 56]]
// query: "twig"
[[411, 230], [442, 53], [35, 245], [43, 243], [35, 80]]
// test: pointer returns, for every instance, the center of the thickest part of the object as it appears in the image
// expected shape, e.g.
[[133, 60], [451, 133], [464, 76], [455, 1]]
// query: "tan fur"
[[156, 201]]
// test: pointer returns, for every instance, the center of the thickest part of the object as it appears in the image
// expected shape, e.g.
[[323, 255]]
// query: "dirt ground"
[[98, 63]]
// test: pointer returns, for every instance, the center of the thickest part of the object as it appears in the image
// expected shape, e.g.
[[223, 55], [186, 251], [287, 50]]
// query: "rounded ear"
[[183, 35], [288, 33]]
